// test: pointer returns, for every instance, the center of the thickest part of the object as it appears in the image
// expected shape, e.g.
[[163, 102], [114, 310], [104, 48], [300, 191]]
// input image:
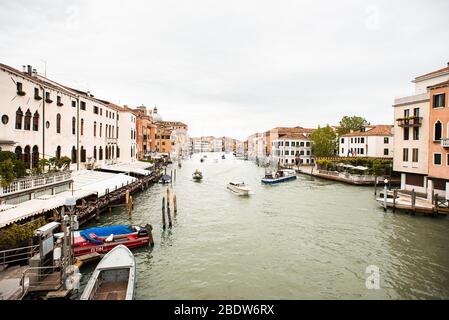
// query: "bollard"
[[175, 204], [163, 213]]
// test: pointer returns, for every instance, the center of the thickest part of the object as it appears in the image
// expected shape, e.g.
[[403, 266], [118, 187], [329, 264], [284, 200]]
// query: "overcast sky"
[[233, 67]]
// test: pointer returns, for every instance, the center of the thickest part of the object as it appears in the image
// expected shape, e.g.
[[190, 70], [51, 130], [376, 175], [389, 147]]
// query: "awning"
[[137, 167], [39, 205], [100, 182]]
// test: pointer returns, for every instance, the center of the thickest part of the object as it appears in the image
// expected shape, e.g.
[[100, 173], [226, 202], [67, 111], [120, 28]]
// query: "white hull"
[[242, 191]]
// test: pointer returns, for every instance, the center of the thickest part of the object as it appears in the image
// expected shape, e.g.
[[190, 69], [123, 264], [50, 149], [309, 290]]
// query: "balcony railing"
[[410, 122], [445, 143], [111, 140], [30, 183]]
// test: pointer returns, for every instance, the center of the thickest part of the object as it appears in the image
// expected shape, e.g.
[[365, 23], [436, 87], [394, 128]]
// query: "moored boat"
[[114, 277], [223, 157], [104, 239], [279, 176], [239, 188]]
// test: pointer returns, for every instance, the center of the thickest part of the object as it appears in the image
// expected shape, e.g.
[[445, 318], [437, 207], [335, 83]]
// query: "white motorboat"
[[239, 188], [279, 176], [114, 277]]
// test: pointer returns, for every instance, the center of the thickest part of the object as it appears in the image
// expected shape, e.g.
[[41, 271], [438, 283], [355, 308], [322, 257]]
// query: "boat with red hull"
[[104, 239]]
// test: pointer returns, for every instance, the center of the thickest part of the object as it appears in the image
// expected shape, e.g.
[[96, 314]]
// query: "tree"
[[324, 142], [6, 172], [353, 123]]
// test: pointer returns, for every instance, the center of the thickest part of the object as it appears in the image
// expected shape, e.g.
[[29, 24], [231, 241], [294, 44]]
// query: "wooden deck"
[[112, 291]]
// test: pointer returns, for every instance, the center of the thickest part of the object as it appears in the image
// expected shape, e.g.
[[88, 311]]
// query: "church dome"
[[156, 116]]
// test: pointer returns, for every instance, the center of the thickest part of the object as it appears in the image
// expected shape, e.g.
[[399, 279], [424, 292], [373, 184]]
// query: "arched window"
[[27, 120], [18, 152], [73, 154], [19, 118], [83, 154], [58, 152], [36, 121], [95, 128], [27, 157], [58, 123], [438, 133], [118, 152], [100, 153], [95, 153], [107, 153], [73, 125], [35, 161], [101, 127], [106, 131], [113, 152], [82, 126], [112, 133]]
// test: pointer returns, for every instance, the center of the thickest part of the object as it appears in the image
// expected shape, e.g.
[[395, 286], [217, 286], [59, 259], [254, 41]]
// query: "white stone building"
[[44, 119], [371, 141], [292, 149]]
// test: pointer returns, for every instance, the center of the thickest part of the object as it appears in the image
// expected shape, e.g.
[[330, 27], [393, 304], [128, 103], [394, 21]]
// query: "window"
[[287, 153], [83, 154], [406, 133], [35, 157], [58, 123], [73, 125], [437, 159], [416, 112], [342, 150], [118, 152], [36, 94], [386, 140], [101, 127], [5, 119], [352, 140], [59, 101], [287, 143], [36, 121], [406, 113], [82, 128], [405, 154], [74, 104], [386, 152], [342, 140], [73, 154], [19, 118], [447, 159], [27, 120], [48, 98], [362, 140], [362, 151], [83, 105], [20, 91], [416, 133], [95, 109], [100, 154], [415, 155], [439, 100], [101, 111], [95, 128], [438, 131], [58, 152], [307, 144]]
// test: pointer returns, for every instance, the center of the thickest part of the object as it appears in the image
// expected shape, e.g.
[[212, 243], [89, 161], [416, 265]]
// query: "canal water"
[[305, 239]]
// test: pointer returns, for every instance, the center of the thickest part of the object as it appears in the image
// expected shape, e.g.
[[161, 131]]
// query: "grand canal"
[[305, 239]]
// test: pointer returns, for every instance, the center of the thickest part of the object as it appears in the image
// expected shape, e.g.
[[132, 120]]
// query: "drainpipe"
[[77, 133], [43, 122]]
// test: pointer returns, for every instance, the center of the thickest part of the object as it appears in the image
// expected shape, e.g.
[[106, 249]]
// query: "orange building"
[[144, 129], [439, 138]]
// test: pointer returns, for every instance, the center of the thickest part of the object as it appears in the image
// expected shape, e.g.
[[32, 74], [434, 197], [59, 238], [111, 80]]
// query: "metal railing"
[[34, 182], [410, 122], [12, 256]]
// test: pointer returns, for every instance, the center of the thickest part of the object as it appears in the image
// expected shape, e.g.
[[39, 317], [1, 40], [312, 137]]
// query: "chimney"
[[34, 72], [30, 70], [24, 69]]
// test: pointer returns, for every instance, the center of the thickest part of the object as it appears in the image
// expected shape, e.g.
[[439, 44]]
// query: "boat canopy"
[[104, 232]]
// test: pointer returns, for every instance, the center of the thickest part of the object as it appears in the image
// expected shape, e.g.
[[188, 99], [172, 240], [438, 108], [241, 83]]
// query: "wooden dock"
[[412, 203]]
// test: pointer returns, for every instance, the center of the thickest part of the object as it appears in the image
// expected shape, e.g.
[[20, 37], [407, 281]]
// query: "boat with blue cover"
[[279, 176]]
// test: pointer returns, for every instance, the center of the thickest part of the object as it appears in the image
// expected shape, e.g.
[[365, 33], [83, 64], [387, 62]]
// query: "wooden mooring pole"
[[175, 204], [385, 198], [413, 201], [395, 194], [375, 186], [168, 208], [163, 214]]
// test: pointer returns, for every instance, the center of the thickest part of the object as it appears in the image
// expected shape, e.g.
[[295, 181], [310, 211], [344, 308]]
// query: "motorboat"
[[165, 179], [223, 157], [197, 175], [239, 188], [114, 278], [279, 176], [104, 239]]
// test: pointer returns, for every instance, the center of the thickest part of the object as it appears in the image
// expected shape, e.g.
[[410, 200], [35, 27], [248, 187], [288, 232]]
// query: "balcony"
[[408, 122], [111, 140], [35, 182], [445, 143]]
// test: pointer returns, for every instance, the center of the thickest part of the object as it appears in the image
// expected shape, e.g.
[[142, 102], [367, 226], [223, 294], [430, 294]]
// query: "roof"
[[433, 73], [378, 130], [293, 136], [439, 85]]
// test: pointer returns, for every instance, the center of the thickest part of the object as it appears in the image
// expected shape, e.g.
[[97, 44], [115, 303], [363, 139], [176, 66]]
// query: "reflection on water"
[[305, 239]]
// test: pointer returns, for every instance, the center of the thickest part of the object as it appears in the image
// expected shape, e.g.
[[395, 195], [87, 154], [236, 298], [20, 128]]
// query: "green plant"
[[63, 162], [6, 173], [15, 235]]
